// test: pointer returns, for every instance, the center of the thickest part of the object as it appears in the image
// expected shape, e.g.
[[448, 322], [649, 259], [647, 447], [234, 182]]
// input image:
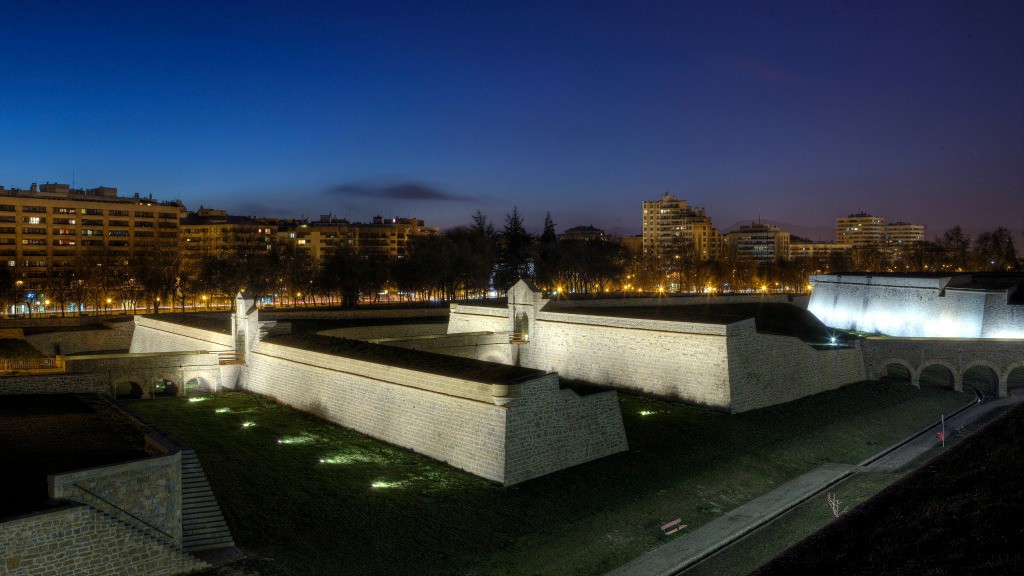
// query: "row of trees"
[[466, 261]]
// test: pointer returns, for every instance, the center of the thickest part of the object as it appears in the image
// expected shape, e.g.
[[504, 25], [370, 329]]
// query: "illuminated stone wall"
[[153, 335], [465, 318], [767, 369], [914, 307], [506, 434], [111, 336], [81, 540], [145, 369], [673, 360], [731, 367]]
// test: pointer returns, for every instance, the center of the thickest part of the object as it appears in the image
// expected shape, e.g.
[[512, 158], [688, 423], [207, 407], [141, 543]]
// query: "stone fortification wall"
[[153, 335], [689, 300], [54, 384], [958, 355], [467, 318], [118, 370], [1002, 320], [767, 369], [486, 346], [145, 494], [108, 336], [548, 429], [914, 307], [471, 425], [81, 540], [313, 314], [392, 331], [57, 321], [673, 360], [463, 427]]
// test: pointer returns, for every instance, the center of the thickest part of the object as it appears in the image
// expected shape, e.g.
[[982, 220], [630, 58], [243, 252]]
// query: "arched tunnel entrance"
[[937, 376], [984, 379]]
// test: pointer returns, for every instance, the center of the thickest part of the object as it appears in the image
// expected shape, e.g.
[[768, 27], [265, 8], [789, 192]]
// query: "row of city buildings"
[[45, 227], [671, 229]]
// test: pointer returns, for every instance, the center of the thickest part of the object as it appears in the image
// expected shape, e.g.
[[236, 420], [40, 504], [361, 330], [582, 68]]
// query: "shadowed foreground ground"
[[960, 513]]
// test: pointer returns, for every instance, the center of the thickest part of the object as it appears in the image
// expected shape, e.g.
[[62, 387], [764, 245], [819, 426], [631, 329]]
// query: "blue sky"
[[795, 112]]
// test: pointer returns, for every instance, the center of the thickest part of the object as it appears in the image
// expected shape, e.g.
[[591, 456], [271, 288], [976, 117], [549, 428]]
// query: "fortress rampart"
[[932, 306], [729, 365]]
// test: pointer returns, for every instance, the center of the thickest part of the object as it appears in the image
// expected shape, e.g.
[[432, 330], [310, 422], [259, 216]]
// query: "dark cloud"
[[405, 191]]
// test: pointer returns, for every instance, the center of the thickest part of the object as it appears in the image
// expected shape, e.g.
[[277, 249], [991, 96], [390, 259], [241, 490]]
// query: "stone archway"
[[895, 370], [164, 387], [197, 385], [984, 377], [939, 374], [130, 389], [1013, 378]]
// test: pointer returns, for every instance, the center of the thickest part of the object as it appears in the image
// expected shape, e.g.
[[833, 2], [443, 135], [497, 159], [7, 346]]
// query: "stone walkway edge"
[[689, 549]]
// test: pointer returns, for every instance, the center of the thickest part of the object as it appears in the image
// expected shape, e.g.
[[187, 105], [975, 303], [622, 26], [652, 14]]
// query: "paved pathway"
[[691, 548]]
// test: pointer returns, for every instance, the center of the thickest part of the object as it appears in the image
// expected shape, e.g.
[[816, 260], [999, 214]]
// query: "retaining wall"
[[463, 423], [143, 493], [80, 540], [767, 369], [54, 384], [672, 360], [109, 336], [153, 335], [914, 307], [466, 318]]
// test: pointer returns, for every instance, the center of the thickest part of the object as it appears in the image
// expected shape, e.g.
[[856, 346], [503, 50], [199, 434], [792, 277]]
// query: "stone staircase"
[[180, 561], [202, 524]]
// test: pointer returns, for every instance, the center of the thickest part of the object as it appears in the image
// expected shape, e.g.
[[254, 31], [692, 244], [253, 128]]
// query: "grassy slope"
[[958, 514], [683, 462], [757, 549]]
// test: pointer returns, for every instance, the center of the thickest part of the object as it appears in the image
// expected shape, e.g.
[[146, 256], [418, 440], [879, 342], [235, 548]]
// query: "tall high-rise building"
[[670, 227]]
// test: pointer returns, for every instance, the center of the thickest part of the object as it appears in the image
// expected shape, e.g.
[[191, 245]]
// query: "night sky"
[[794, 112]]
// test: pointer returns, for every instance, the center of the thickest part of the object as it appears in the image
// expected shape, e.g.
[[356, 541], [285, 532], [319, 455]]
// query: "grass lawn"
[[294, 515]]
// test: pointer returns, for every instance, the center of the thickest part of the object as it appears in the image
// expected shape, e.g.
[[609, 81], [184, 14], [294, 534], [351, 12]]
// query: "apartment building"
[[758, 242], [670, 227], [209, 231], [44, 228], [383, 237], [861, 229]]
